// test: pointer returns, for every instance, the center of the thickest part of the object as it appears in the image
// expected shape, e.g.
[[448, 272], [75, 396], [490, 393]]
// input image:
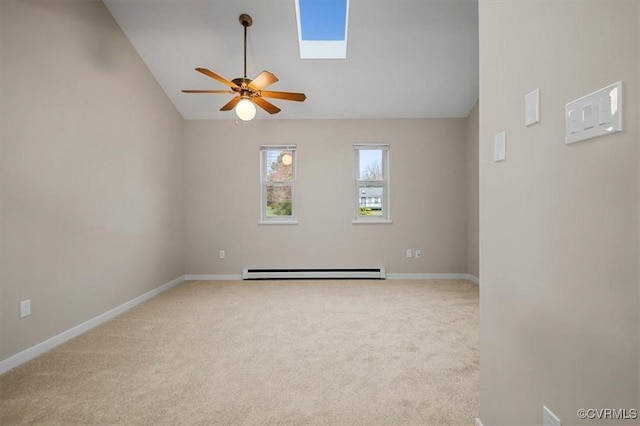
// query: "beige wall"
[[428, 196], [472, 192], [558, 224], [91, 170]]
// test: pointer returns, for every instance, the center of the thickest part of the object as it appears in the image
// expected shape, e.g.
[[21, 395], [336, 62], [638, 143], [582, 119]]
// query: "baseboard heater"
[[333, 273]]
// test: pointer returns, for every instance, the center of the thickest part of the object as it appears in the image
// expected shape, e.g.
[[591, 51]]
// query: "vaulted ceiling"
[[405, 58]]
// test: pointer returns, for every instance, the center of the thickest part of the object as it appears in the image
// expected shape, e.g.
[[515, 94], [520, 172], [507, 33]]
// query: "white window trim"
[[386, 203], [280, 220]]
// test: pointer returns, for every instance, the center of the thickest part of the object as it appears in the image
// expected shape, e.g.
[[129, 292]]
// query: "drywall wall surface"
[[91, 170], [558, 223], [427, 196]]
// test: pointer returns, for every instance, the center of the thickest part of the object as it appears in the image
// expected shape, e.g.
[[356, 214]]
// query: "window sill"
[[372, 222], [277, 222]]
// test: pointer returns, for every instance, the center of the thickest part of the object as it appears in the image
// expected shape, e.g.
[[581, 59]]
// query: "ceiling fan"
[[249, 92]]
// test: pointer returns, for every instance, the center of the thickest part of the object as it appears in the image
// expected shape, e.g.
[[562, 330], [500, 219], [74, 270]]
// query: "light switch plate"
[[532, 108], [594, 115], [500, 147]]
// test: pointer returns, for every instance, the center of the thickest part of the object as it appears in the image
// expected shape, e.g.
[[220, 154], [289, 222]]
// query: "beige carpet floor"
[[265, 353]]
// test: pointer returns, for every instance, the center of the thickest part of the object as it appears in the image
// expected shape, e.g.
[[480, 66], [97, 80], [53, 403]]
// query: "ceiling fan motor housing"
[[242, 81]]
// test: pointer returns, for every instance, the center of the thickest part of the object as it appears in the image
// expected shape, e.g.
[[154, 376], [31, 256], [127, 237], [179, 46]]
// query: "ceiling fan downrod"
[[246, 21]]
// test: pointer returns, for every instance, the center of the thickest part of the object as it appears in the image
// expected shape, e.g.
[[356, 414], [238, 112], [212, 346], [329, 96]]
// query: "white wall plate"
[[594, 115], [500, 147], [532, 108]]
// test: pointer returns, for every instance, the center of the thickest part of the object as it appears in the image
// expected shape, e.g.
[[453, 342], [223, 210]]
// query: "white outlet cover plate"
[[596, 114], [548, 418], [25, 308]]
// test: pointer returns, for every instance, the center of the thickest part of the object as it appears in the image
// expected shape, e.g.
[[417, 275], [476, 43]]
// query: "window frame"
[[265, 184], [384, 183]]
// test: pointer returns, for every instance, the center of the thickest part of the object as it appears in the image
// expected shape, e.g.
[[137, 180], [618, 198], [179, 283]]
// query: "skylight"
[[322, 28]]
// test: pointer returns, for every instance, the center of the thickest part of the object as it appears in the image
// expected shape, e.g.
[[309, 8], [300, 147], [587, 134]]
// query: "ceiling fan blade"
[[217, 77], [229, 105], [287, 96], [266, 105], [264, 79], [206, 91]]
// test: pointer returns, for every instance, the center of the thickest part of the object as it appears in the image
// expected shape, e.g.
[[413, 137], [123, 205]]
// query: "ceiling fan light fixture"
[[245, 110]]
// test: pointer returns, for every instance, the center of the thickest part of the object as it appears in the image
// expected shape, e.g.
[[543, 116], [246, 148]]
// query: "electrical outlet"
[[25, 308], [222, 254], [408, 253], [548, 418], [417, 254]]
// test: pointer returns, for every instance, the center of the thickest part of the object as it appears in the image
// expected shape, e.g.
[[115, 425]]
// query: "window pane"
[[370, 164], [279, 200], [370, 200], [278, 165]]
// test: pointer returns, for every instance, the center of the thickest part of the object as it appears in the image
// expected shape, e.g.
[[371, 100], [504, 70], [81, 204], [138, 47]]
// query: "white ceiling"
[[405, 58]]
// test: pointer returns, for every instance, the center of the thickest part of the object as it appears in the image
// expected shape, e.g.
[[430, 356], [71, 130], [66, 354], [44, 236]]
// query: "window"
[[371, 183], [322, 28], [278, 179]]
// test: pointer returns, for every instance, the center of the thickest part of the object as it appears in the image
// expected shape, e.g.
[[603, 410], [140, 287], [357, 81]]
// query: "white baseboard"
[[473, 279], [213, 277], [427, 276], [478, 422], [389, 275], [40, 348]]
